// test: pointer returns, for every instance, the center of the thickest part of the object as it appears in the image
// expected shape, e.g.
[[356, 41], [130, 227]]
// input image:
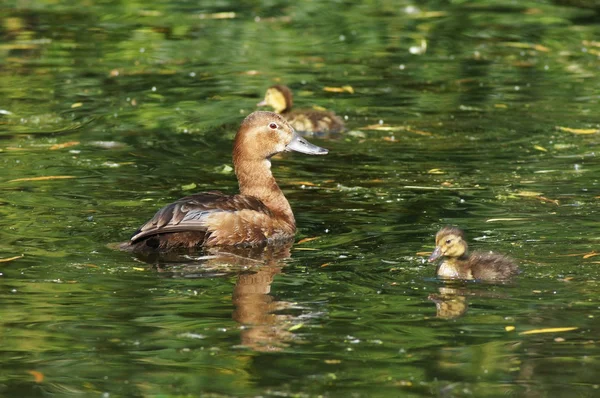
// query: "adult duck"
[[458, 263], [279, 98], [258, 215]]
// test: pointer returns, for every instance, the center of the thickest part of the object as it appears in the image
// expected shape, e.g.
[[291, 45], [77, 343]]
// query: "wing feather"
[[192, 213]]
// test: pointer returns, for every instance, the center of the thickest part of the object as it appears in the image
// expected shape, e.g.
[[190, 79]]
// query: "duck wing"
[[191, 213], [492, 266]]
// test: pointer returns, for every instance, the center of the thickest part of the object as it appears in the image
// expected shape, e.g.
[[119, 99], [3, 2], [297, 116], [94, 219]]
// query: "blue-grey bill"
[[435, 255], [299, 144]]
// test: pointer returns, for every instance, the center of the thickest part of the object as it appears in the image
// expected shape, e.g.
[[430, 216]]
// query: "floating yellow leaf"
[[591, 43], [342, 89], [545, 199], [218, 15], [540, 148], [332, 361], [509, 328], [37, 376], [549, 330], [436, 171], [529, 194], [432, 14], [592, 254], [306, 249], [533, 11], [420, 132], [383, 127], [138, 269], [577, 131], [325, 265], [500, 106], [537, 47], [301, 241], [5, 260], [423, 254], [45, 178], [63, 145], [403, 383], [295, 327], [507, 219], [150, 13], [307, 183], [77, 105]]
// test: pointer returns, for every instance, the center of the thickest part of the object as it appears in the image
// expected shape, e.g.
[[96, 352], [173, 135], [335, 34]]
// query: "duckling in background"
[[457, 263], [259, 215], [279, 98]]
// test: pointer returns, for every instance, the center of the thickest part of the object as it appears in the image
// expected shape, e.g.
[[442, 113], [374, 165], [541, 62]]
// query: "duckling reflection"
[[450, 303], [256, 267], [310, 121], [458, 263]]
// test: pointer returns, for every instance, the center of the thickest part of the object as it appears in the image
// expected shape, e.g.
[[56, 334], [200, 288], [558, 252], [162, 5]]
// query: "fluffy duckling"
[[260, 214], [457, 263], [279, 98]]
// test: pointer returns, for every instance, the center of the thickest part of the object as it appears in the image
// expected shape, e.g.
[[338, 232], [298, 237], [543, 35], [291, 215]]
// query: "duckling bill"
[[458, 263], [258, 215], [280, 98]]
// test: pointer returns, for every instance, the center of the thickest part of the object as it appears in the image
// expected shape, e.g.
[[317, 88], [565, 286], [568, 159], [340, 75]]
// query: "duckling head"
[[449, 242], [279, 98], [264, 134]]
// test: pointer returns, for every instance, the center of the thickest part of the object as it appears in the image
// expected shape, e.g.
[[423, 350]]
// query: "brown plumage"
[[280, 98], [458, 263], [260, 214]]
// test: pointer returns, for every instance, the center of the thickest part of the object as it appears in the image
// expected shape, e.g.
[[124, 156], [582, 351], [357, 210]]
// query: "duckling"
[[258, 215], [279, 97], [459, 264]]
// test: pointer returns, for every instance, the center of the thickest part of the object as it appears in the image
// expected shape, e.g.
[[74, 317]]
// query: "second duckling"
[[458, 263], [279, 97]]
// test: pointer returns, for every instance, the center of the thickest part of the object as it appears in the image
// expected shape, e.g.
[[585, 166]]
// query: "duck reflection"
[[450, 303], [256, 267]]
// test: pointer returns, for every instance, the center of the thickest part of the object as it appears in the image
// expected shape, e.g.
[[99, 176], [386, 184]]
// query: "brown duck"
[[458, 263], [258, 215], [279, 98]]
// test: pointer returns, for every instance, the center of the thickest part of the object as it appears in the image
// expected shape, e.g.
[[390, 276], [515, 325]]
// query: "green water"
[[463, 113]]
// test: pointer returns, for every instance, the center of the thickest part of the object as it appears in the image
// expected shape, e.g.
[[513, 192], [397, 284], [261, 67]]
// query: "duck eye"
[[273, 126], [448, 241]]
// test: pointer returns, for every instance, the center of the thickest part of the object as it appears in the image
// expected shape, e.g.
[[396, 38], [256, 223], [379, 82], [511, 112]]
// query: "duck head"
[[279, 98], [264, 134], [449, 242]]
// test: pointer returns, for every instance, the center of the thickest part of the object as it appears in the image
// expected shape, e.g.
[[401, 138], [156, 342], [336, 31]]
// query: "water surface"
[[476, 114]]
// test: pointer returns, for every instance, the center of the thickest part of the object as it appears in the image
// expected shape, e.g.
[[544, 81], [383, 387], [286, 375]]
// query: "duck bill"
[[262, 103], [437, 253], [299, 144]]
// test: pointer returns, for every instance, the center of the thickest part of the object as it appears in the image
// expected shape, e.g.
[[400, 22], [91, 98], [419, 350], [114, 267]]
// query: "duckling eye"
[[273, 126], [448, 241]]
